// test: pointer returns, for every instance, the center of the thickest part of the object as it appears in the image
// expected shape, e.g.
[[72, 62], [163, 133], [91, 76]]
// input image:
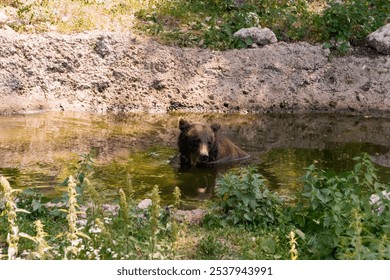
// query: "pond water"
[[40, 150]]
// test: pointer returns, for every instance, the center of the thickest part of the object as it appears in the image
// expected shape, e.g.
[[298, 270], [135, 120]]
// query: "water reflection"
[[41, 150]]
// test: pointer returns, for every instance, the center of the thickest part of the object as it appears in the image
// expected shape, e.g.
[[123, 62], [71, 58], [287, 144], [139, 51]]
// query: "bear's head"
[[197, 142]]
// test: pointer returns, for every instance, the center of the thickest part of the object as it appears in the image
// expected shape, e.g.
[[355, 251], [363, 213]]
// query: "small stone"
[[3, 17], [260, 36], [102, 47], [333, 104], [380, 39]]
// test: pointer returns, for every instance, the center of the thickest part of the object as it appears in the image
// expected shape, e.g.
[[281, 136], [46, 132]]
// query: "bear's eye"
[[209, 143], [196, 140]]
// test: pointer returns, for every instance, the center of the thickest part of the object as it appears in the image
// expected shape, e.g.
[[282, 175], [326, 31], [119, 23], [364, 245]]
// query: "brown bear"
[[201, 144]]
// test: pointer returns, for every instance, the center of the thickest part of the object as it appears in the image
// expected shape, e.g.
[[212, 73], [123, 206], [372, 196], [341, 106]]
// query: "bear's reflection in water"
[[198, 183]]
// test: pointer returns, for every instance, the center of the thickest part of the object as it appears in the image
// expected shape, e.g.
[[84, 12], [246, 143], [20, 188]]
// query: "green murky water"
[[40, 150]]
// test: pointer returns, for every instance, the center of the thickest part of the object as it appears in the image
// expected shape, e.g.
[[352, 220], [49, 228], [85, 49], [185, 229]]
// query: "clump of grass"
[[68, 16]]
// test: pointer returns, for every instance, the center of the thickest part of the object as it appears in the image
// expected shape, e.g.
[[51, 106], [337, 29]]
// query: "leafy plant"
[[10, 211], [242, 198], [42, 248], [350, 21], [332, 208], [211, 248], [343, 216], [73, 234]]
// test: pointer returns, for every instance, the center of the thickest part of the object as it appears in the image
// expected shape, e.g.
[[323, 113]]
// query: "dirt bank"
[[118, 72]]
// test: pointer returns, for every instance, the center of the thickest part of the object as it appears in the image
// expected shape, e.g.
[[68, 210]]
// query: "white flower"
[[15, 229], [376, 200], [95, 230], [145, 203], [76, 242], [11, 252], [253, 19], [82, 222]]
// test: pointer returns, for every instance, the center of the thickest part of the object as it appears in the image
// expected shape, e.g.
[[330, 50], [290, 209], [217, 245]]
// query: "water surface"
[[40, 150]]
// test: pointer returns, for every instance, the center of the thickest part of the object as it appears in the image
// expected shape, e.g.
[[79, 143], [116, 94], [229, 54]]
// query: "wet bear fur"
[[201, 144]]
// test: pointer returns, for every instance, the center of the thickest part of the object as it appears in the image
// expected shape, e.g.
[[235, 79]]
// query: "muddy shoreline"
[[103, 72]]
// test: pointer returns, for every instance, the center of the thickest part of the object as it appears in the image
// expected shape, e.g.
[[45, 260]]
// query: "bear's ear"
[[215, 127], [183, 124]]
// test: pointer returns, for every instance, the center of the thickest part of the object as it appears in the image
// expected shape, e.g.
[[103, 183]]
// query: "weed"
[[242, 198], [154, 221], [10, 211], [293, 246], [73, 234], [210, 23], [344, 216], [177, 196], [42, 248], [328, 204], [211, 248], [124, 215]]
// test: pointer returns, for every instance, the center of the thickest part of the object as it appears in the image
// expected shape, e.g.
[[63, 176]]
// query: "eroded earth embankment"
[[118, 72]]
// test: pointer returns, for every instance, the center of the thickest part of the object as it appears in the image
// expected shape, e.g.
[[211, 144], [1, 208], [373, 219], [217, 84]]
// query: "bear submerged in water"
[[201, 144]]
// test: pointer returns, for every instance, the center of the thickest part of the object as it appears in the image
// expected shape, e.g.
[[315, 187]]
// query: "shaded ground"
[[117, 72]]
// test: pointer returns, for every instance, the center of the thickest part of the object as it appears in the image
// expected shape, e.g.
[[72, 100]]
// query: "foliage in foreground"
[[345, 217], [79, 226], [334, 217]]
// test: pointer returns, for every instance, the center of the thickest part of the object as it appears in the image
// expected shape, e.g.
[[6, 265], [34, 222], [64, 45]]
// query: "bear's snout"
[[204, 158], [203, 153]]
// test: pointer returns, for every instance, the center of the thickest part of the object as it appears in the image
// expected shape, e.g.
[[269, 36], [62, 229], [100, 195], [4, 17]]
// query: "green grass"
[[211, 23], [69, 16], [208, 23]]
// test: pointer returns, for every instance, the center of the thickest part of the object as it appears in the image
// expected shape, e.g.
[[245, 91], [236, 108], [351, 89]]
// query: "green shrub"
[[350, 21], [212, 23], [70, 233], [211, 248], [242, 198], [336, 216], [335, 213]]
